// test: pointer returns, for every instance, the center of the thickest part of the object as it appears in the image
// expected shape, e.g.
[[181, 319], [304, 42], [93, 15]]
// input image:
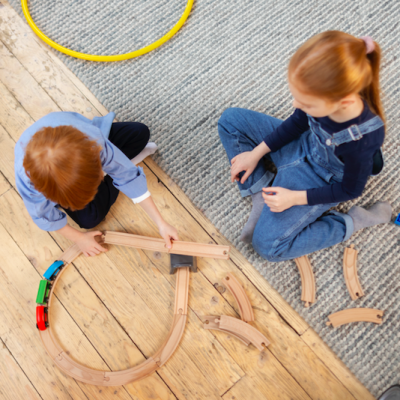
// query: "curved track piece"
[[350, 272], [307, 280], [117, 378], [355, 315], [234, 286], [237, 328], [209, 323], [178, 247]]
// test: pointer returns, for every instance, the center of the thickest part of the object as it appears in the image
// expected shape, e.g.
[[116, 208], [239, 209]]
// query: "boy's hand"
[[168, 233], [280, 199], [243, 162], [88, 244]]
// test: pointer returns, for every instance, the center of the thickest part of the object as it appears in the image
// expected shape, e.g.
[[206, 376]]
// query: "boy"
[[59, 164]]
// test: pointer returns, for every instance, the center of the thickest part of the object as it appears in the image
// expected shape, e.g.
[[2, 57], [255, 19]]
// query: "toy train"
[[42, 298]]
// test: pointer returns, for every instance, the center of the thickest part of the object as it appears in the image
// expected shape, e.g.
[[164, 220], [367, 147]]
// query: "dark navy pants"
[[131, 138]]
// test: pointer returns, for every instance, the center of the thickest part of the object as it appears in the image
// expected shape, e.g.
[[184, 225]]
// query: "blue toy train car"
[[53, 270]]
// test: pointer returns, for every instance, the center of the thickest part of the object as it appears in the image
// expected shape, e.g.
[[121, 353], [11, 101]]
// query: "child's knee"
[[145, 131], [265, 244], [227, 120], [90, 223]]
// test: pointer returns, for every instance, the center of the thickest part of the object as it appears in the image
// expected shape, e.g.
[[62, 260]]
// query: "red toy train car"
[[41, 318]]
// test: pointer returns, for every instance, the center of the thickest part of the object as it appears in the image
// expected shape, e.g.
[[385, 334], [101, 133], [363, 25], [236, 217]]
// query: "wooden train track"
[[355, 315], [350, 272], [307, 280], [238, 329], [234, 286], [117, 378]]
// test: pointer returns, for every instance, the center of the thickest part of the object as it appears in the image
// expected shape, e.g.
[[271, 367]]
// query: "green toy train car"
[[43, 292]]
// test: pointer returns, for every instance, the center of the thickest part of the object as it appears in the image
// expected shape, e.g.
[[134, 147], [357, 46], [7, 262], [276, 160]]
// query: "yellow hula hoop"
[[118, 57]]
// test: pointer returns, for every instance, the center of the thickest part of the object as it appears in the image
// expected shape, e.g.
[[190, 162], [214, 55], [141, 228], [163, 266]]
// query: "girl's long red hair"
[[64, 165], [334, 64]]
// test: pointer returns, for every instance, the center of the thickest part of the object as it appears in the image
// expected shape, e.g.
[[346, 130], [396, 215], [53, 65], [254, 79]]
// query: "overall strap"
[[355, 132]]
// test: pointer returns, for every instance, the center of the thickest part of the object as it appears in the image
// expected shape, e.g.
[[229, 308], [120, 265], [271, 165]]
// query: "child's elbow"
[[353, 193]]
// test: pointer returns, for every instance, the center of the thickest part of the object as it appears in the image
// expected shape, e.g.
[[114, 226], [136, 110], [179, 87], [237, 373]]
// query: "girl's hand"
[[246, 161], [88, 244], [280, 199], [168, 233]]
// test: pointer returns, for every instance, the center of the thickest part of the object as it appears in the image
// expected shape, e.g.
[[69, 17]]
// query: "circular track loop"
[[100, 58]]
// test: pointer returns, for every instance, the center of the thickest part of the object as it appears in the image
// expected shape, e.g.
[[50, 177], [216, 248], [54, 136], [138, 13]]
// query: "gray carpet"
[[235, 53]]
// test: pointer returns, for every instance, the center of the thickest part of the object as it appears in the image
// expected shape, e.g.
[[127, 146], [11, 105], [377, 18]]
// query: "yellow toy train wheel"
[[99, 58]]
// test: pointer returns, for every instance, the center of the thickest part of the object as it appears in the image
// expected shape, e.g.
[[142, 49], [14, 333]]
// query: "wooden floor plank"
[[355, 387], [13, 116], [7, 145], [19, 282], [265, 384], [23, 45], [13, 382], [128, 308], [36, 56], [95, 320], [15, 77], [4, 184]]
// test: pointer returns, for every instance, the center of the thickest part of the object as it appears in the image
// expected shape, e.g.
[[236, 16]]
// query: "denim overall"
[[305, 163]]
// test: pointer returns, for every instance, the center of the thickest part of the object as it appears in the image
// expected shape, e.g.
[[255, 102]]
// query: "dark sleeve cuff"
[[330, 194]]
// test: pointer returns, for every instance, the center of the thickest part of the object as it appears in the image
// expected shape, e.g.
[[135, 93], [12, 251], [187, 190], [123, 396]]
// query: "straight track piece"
[[307, 280], [355, 315], [178, 247], [350, 272]]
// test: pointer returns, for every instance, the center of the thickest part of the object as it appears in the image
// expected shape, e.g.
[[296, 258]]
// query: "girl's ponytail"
[[334, 64], [371, 93]]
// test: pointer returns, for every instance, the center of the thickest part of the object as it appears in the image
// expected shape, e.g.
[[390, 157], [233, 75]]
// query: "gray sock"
[[258, 204], [379, 213]]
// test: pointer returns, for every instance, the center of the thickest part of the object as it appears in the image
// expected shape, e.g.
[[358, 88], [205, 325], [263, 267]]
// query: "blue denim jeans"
[[298, 230]]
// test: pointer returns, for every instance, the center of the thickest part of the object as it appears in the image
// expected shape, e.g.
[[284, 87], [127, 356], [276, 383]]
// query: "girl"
[[324, 152], [59, 163]]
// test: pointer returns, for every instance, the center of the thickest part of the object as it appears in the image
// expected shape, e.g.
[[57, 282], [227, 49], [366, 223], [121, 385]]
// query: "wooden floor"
[[114, 310]]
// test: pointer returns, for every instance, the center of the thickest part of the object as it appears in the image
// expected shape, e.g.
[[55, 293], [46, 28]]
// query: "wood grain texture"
[[91, 316], [7, 156], [34, 82], [13, 116], [17, 38], [336, 365], [19, 281], [43, 64], [4, 184], [13, 382]]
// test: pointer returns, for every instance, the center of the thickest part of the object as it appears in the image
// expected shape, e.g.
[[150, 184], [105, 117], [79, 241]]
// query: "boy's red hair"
[[64, 165]]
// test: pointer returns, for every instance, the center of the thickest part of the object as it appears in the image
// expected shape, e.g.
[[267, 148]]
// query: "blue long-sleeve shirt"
[[127, 178], [357, 156]]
